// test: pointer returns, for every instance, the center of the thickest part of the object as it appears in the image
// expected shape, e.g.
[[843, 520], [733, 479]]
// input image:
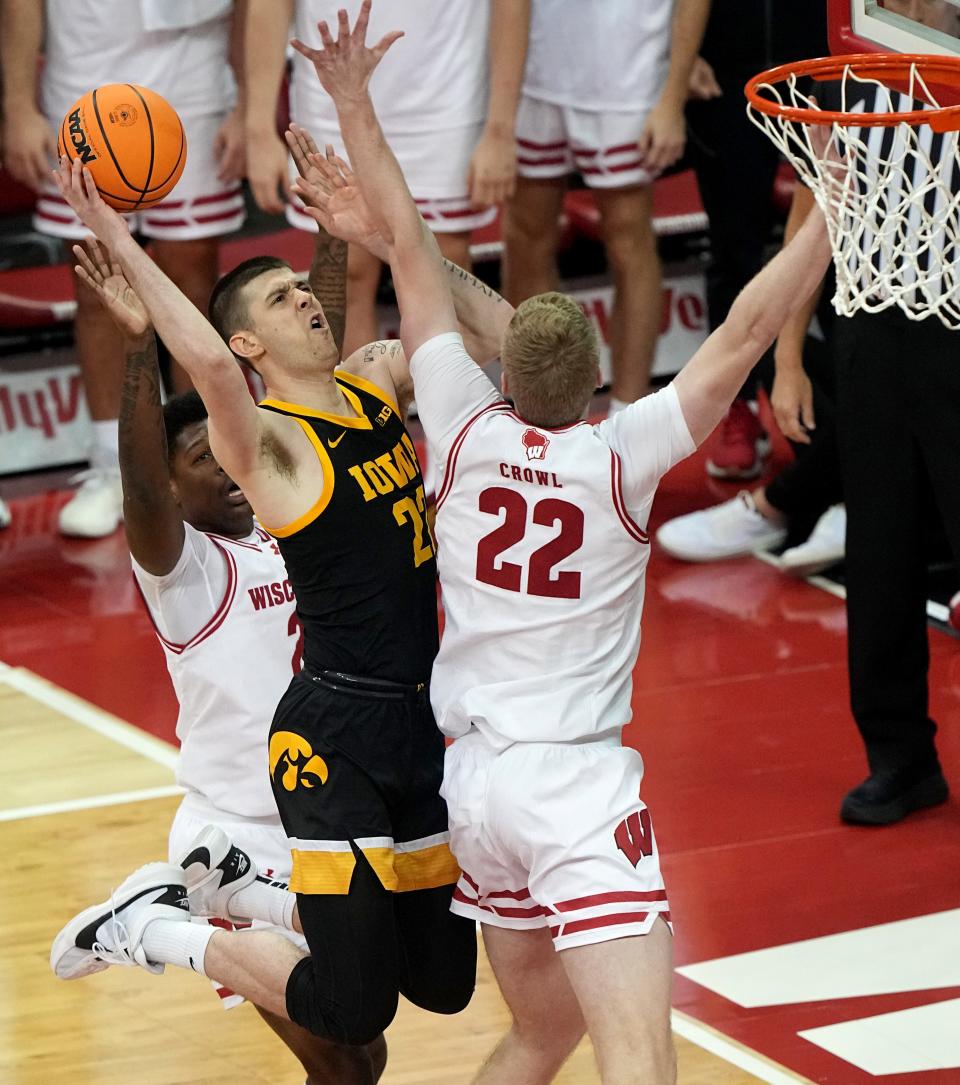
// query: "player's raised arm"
[[332, 196], [186, 332], [708, 382], [344, 68], [151, 517]]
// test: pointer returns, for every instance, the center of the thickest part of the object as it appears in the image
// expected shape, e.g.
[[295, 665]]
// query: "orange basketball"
[[130, 139]]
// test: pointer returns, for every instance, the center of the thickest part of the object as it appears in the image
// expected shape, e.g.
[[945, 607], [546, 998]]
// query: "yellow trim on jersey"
[[359, 421], [367, 386], [328, 482], [322, 872]]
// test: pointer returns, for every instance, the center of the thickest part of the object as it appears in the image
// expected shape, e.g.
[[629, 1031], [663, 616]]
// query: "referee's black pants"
[[898, 409]]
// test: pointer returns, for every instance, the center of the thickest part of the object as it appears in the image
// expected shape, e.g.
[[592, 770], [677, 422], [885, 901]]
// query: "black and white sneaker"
[[112, 932], [215, 869]]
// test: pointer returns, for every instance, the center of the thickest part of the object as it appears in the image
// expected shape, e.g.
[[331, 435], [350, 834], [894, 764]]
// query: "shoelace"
[[120, 954]]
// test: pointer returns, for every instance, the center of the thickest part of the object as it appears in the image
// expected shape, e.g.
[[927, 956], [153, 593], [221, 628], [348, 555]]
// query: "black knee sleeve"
[[356, 1013]]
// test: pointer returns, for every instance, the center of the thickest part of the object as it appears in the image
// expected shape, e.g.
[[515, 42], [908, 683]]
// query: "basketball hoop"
[[894, 215]]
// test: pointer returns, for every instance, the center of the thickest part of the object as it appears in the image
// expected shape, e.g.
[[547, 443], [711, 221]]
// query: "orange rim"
[[886, 68]]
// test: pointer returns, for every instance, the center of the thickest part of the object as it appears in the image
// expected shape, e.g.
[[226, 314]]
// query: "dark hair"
[[227, 309], [178, 413]]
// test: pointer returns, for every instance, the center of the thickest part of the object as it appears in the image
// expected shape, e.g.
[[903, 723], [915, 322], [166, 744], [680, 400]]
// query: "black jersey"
[[361, 561]]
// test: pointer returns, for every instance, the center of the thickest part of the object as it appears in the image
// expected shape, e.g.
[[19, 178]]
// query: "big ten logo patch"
[[384, 416], [293, 763], [634, 836], [389, 472]]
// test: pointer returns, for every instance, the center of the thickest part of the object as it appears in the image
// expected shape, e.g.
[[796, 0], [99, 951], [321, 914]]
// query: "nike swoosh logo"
[[333, 444]]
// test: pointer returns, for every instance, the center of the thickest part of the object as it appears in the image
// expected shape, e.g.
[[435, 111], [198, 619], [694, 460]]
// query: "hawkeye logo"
[[79, 139], [292, 760]]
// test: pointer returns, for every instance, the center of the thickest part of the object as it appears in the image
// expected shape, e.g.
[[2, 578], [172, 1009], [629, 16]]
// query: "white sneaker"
[[112, 932], [824, 548], [215, 869], [4, 514], [730, 530], [96, 509]]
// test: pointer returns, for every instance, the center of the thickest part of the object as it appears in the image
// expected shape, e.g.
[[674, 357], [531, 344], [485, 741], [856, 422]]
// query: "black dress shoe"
[[886, 797]]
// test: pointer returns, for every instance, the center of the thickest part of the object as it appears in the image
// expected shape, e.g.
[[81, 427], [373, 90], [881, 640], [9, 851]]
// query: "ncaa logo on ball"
[[79, 138], [124, 115]]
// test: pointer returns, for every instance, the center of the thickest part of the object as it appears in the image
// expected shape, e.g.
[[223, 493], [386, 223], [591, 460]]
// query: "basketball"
[[130, 139]]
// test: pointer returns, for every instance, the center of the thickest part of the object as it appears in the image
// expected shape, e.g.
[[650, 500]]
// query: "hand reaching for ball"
[[77, 188]]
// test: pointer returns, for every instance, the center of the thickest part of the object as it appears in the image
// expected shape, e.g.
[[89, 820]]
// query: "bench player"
[[355, 758], [452, 127], [541, 528]]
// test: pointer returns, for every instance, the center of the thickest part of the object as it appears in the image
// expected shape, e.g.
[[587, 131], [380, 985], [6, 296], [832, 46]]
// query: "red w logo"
[[634, 836]]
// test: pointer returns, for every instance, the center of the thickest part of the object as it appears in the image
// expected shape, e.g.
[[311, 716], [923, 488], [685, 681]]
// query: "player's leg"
[[574, 813], [192, 266], [327, 1063], [531, 219], [531, 234], [604, 148], [438, 966], [363, 280], [438, 949], [546, 1020], [626, 219], [623, 989]]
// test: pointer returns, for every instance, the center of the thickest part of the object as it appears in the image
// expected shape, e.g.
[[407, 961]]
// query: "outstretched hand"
[[330, 193], [105, 277], [344, 66], [76, 186]]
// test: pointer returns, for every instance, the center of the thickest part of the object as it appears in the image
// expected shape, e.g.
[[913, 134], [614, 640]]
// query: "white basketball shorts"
[[553, 835], [199, 207], [435, 165], [266, 844], [554, 140]]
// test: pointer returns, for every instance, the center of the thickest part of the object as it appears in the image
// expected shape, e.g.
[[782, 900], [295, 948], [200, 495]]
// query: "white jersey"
[[542, 549], [225, 616], [435, 78], [603, 55], [92, 42]]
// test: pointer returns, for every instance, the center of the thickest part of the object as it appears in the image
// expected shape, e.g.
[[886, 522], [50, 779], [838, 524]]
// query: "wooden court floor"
[[84, 799]]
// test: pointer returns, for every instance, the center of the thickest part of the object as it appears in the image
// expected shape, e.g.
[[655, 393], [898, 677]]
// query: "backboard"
[[894, 26]]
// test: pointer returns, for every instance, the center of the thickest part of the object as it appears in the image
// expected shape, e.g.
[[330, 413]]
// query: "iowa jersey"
[[361, 561]]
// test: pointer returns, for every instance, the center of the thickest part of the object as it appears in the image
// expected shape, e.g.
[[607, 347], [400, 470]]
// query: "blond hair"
[[550, 356]]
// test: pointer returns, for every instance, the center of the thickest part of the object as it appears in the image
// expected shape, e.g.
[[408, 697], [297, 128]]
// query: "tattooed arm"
[[482, 313], [151, 517], [328, 279]]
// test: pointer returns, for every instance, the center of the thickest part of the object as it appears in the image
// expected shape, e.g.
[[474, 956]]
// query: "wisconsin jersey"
[[361, 561], [542, 552], [229, 671]]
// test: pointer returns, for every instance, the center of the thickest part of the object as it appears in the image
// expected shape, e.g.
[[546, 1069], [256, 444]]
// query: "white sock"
[[106, 448], [168, 941], [266, 901], [615, 406]]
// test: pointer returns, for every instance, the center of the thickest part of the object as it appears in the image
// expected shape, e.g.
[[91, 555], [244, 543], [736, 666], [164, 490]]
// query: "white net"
[[894, 219]]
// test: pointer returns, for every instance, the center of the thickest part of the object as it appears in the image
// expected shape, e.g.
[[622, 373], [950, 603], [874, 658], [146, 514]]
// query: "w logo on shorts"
[[634, 836], [292, 760]]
